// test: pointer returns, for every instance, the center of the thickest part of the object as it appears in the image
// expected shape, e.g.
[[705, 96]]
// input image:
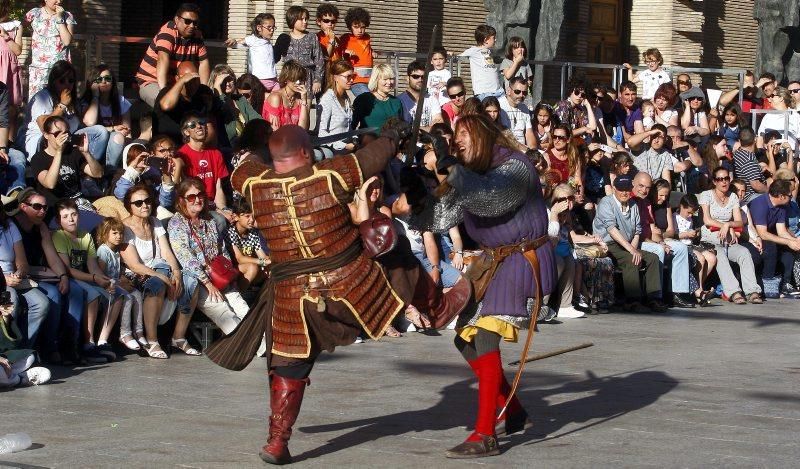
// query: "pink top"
[[285, 115]]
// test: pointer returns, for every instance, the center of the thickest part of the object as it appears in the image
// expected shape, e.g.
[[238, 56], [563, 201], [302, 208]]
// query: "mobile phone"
[[156, 162], [606, 149], [77, 140], [5, 298]]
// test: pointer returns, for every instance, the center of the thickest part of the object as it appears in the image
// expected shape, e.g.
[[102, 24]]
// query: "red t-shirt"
[[207, 165]]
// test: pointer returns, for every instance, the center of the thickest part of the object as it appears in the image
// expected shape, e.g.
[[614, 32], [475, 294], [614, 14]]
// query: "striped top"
[[179, 49]]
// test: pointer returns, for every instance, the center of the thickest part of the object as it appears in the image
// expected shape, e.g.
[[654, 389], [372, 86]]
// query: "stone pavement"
[[692, 388]]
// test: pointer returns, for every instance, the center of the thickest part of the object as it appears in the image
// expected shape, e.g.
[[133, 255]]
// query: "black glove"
[[443, 158]]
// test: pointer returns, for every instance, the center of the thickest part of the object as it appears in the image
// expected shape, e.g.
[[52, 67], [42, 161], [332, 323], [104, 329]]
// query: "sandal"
[[415, 317], [183, 346], [392, 332], [130, 343], [738, 298], [755, 298], [154, 351]]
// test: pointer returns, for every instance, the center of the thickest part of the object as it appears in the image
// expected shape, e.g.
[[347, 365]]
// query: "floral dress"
[[46, 47]]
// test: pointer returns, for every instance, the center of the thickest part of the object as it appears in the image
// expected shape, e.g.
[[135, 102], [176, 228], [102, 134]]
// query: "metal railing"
[[739, 72], [786, 113]]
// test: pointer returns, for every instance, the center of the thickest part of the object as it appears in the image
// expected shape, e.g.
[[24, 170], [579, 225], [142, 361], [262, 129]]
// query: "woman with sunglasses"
[[196, 242], [289, 104], [781, 100], [155, 273], [102, 104], [694, 119], [50, 40], [235, 111], [60, 98], [722, 219], [158, 166], [457, 93], [576, 111], [564, 157], [251, 89], [335, 110]]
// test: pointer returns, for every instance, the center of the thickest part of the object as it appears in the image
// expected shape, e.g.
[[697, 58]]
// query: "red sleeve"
[[220, 170]]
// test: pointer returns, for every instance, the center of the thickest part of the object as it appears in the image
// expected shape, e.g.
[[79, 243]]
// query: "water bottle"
[[14, 443]]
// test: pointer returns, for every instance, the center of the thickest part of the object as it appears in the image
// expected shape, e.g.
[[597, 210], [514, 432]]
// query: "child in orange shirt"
[[327, 16], [356, 47]]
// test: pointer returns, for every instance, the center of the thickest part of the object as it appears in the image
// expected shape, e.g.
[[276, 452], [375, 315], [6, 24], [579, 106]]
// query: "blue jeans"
[[155, 286], [496, 94], [14, 176], [66, 315], [36, 312], [359, 88], [680, 262], [449, 273], [98, 140], [114, 150]]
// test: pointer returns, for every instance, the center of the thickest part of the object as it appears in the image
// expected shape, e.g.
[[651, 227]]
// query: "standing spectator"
[[694, 119], [457, 94], [60, 167], [769, 214], [188, 94], [355, 46], [515, 62], [617, 224], [206, 164], [327, 16], [722, 217], [482, 68], [438, 77], [746, 166], [10, 49], [375, 108], [260, 53], [59, 98], [431, 111], [656, 161], [653, 77], [577, 112], [302, 47], [335, 110], [52, 35], [196, 241], [289, 104], [236, 111], [515, 115], [13, 178], [178, 41], [101, 104]]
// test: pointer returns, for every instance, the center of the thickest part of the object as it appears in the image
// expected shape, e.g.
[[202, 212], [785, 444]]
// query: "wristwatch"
[[63, 107]]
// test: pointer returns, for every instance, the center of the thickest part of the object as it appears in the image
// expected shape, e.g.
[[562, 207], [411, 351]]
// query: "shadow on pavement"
[[611, 397]]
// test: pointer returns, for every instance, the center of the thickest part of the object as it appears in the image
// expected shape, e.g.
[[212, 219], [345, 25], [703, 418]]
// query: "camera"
[[157, 162]]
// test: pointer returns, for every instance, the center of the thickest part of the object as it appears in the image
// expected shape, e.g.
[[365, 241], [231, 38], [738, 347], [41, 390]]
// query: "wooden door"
[[604, 41]]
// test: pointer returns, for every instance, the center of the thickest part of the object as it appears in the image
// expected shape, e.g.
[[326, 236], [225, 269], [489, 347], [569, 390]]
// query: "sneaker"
[[546, 314], [789, 291], [582, 302], [570, 313], [359, 340], [92, 356], [35, 376], [106, 351]]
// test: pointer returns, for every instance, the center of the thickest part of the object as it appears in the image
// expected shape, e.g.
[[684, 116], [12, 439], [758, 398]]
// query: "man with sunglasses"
[[577, 111], [431, 111], [515, 115], [178, 41]]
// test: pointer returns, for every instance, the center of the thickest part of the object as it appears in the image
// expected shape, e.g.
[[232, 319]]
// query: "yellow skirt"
[[508, 331]]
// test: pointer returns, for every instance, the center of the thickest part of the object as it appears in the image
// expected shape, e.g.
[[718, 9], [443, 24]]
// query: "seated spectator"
[[663, 102], [472, 107], [16, 363], [431, 111], [253, 144], [59, 99], [196, 242], [653, 76], [60, 331], [15, 266], [781, 100], [491, 106], [688, 233], [289, 104], [560, 231], [690, 174], [12, 179], [749, 237], [769, 214], [77, 251], [694, 119], [721, 219], [746, 167], [156, 275], [733, 120], [236, 110], [515, 115], [246, 246], [617, 224], [251, 89], [564, 157], [754, 93], [684, 84], [188, 94], [546, 121], [596, 175], [101, 104], [375, 108], [160, 169], [621, 165], [714, 155], [654, 239], [334, 111], [206, 163], [457, 93], [794, 90], [61, 166], [656, 161], [576, 111]]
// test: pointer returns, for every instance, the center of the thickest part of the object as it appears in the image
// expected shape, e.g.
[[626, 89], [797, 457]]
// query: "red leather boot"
[[483, 442], [286, 395]]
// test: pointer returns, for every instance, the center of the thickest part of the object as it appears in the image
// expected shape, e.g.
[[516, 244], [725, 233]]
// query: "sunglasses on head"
[[192, 198], [522, 92], [245, 93], [723, 179], [189, 21], [328, 20], [102, 79], [560, 137], [192, 124], [37, 206], [570, 198], [138, 203], [416, 76], [458, 95]]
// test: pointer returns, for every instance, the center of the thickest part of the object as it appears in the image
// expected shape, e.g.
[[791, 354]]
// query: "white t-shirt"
[[778, 122], [414, 237], [144, 248], [8, 237], [650, 81], [41, 104], [260, 57], [483, 70], [518, 119], [437, 79], [111, 260]]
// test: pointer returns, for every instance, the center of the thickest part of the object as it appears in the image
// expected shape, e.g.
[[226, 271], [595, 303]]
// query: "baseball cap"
[[623, 183]]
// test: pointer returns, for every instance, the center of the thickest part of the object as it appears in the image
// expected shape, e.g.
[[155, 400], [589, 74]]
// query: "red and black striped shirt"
[[180, 49]]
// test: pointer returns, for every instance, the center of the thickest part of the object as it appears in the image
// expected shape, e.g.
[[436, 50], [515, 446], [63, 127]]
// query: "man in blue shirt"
[[769, 215]]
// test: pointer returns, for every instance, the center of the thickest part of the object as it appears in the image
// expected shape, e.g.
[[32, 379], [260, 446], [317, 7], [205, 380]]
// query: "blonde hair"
[[107, 226], [562, 190], [784, 174], [655, 53], [379, 72]]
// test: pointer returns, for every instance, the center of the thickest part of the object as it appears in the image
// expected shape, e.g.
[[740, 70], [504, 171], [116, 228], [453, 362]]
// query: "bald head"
[[290, 147], [642, 183], [186, 67]]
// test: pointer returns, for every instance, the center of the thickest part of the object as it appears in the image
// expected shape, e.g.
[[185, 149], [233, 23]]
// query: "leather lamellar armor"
[[304, 215]]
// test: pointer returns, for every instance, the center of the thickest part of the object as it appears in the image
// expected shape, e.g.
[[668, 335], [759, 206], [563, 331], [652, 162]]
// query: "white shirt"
[[777, 122], [438, 78], [260, 58], [483, 69], [517, 119], [652, 80]]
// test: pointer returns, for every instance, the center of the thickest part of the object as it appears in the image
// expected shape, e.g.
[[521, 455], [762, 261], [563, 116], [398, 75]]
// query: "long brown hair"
[[574, 156], [336, 68]]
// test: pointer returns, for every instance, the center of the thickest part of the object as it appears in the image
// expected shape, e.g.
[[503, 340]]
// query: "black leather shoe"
[[514, 423], [680, 302], [486, 446]]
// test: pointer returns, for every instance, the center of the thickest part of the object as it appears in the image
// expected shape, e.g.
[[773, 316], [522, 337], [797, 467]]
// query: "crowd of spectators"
[[656, 198]]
